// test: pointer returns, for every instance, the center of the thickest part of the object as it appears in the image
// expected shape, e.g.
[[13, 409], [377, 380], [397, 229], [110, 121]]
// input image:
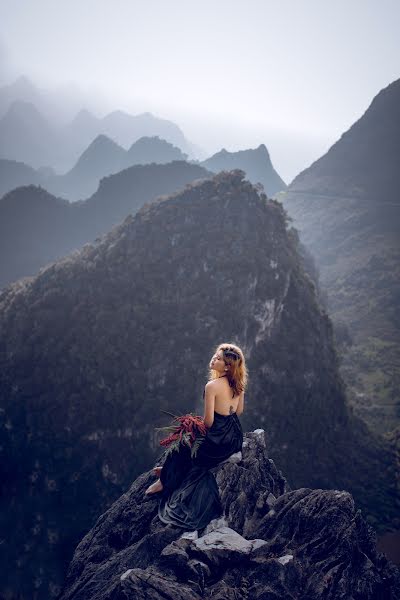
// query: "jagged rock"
[[224, 545], [299, 544]]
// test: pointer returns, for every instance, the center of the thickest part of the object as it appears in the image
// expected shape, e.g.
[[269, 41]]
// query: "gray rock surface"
[[271, 543]]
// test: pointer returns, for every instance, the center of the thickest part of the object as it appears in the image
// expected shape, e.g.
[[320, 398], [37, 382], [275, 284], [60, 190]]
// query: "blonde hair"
[[237, 373]]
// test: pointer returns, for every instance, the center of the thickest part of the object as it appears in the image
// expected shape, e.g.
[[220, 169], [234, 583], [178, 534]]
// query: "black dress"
[[190, 497]]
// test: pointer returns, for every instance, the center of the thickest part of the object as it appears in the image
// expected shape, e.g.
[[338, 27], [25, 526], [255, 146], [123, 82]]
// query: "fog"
[[292, 75]]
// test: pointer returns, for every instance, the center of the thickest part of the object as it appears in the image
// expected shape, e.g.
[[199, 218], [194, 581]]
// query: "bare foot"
[[154, 488], [157, 471]]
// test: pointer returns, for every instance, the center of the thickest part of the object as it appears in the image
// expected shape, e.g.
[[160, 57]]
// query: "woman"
[[190, 497]]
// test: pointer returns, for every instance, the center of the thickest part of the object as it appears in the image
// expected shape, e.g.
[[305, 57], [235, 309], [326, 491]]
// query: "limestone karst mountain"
[[95, 345], [147, 150], [256, 163], [15, 174], [57, 104], [125, 128], [33, 131], [37, 228], [83, 128], [346, 206], [26, 136], [22, 89], [104, 157], [271, 543]]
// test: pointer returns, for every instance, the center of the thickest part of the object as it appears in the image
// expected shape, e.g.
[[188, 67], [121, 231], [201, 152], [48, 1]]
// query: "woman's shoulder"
[[211, 383], [215, 384], [209, 386]]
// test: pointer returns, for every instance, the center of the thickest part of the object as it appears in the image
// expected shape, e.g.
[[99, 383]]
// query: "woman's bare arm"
[[209, 403], [240, 407]]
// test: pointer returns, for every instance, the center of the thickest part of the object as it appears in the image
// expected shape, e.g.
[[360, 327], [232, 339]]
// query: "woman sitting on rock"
[[190, 497]]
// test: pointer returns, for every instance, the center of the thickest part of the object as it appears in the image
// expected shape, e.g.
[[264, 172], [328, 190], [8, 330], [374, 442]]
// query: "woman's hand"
[[209, 403]]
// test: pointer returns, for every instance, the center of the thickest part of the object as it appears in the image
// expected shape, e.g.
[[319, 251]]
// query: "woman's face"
[[217, 362]]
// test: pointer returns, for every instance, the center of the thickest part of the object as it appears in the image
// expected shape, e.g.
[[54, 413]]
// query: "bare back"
[[226, 402]]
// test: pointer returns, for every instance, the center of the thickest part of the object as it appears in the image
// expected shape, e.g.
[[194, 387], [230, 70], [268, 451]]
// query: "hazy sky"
[[293, 74]]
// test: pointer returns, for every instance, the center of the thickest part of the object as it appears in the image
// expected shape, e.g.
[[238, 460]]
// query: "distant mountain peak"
[[262, 148], [117, 113], [22, 113], [84, 114], [103, 140], [256, 163], [21, 107], [22, 86], [152, 140], [101, 157]]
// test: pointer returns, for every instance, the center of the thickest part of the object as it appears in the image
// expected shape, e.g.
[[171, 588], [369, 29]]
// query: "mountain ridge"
[[346, 208], [37, 227]]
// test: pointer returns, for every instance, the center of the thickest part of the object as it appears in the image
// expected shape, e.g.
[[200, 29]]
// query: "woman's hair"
[[237, 370]]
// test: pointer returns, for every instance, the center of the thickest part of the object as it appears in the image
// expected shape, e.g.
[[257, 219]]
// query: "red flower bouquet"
[[188, 430]]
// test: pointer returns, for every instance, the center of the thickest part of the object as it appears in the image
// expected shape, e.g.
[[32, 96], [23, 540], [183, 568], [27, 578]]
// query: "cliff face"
[[98, 342], [271, 542], [346, 207]]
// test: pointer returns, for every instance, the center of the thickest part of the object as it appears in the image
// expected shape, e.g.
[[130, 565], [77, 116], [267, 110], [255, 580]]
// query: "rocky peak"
[[102, 157], [102, 141], [27, 111], [363, 163], [84, 117], [153, 150], [271, 542], [255, 162]]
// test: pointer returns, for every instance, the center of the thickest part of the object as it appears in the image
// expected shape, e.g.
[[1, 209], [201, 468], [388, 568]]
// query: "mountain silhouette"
[[147, 150], [27, 110], [22, 90], [37, 227], [15, 174], [84, 126], [346, 206], [104, 157], [26, 136], [256, 163]]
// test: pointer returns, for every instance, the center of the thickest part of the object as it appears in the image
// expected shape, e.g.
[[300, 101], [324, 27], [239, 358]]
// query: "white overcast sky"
[[293, 74]]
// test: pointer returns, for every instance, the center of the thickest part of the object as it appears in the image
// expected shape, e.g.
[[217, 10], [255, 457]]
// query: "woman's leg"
[[175, 468]]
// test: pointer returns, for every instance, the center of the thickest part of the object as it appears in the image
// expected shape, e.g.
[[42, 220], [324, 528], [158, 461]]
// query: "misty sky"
[[293, 74]]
